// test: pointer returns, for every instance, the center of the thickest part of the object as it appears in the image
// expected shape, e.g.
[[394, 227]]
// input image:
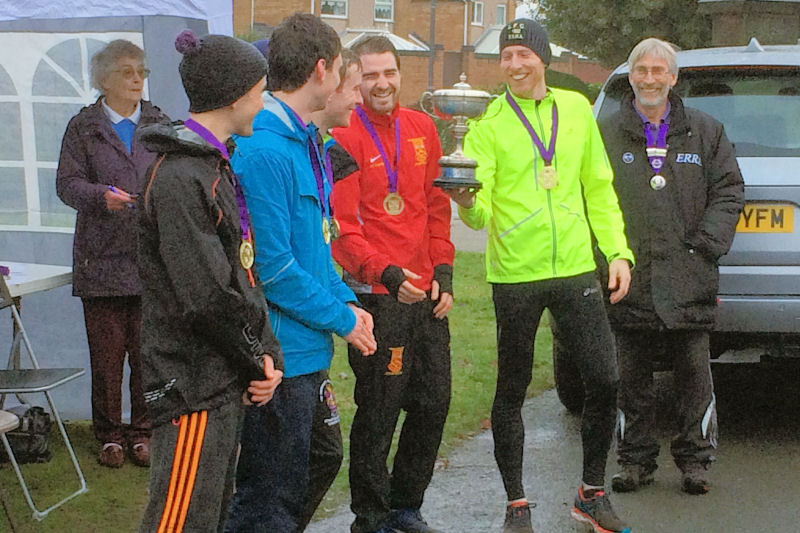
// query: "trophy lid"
[[462, 89]]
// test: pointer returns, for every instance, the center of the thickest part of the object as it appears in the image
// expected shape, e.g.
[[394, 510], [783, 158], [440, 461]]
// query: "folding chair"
[[35, 380], [8, 422]]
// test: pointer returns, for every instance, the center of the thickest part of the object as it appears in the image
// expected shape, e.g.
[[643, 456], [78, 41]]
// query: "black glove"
[[443, 274], [392, 277]]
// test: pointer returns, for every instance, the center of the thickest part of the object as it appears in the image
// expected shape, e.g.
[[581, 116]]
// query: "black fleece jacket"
[[204, 327]]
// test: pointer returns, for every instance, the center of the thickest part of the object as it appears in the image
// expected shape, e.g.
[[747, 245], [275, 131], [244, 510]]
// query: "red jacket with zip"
[[371, 239]]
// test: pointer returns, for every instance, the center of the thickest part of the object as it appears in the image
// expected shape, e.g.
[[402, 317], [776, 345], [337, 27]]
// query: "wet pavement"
[[754, 479]]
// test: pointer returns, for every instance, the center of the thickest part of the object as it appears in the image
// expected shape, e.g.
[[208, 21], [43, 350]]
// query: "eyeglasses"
[[657, 72], [128, 72]]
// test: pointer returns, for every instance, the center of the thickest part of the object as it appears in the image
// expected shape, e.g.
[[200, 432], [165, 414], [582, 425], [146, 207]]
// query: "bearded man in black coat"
[[681, 191]]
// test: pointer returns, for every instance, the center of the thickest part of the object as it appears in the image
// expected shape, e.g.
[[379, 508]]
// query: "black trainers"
[[597, 513], [695, 479], [518, 519], [631, 477], [408, 521]]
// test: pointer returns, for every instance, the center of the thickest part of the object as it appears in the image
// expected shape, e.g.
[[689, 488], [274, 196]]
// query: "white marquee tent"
[[44, 80]]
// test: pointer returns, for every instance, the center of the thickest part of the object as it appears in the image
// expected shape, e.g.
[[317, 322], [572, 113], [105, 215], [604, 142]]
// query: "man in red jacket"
[[396, 252]]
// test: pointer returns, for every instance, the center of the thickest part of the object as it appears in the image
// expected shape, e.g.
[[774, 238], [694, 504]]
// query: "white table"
[[28, 278]]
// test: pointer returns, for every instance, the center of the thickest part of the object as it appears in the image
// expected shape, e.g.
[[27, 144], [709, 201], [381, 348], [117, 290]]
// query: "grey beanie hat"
[[217, 70], [527, 33]]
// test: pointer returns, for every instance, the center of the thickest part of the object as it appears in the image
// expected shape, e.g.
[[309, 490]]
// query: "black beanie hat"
[[217, 70], [527, 33]]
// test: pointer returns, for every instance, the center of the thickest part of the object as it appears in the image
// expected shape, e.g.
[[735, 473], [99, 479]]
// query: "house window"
[[477, 13], [384, 10], [501, 14], [334, 8]]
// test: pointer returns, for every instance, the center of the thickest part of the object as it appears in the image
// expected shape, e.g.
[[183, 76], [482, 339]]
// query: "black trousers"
[[409, 371], [291, 452], [192, 465], [576, 306], [696, 441]]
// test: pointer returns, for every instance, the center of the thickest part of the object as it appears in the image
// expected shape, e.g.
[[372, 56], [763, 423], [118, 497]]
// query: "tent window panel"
[[6, 83], [11, 147], [68, 56], [50, 123], [48, 82], [13, 210], [53, 211]]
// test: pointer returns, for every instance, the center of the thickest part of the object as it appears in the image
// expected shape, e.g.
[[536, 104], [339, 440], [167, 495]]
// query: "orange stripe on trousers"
[[195, 461], [184, 471]]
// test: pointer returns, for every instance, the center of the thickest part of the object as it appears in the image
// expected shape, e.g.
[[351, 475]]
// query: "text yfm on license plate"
[[766, 218]]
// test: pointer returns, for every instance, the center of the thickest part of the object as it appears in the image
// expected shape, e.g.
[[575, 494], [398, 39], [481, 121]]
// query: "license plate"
[[766, 218]]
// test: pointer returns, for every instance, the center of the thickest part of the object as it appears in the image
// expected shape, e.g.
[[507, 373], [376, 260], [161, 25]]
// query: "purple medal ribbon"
[[244, 216], [391, 172], [656, 145], [547, 154], [319, 173], [313, 155]]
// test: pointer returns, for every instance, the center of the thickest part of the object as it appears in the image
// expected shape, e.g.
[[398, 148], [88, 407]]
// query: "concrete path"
[[754, 479]]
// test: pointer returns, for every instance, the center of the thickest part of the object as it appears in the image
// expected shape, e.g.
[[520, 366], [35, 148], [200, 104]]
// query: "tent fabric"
[[218, 13]]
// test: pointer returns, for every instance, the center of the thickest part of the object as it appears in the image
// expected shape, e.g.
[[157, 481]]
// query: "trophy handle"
[[427, 95]]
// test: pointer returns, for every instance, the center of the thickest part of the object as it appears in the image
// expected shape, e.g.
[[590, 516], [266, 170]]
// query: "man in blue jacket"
[[291, 448]]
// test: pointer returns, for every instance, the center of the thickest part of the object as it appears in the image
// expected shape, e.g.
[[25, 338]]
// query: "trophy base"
[[457, 177], [445, 183]]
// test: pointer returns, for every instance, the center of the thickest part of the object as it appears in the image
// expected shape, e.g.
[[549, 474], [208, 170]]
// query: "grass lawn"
[[116, 498]]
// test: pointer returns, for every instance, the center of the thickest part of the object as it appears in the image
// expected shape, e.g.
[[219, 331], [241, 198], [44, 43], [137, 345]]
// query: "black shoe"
[[695, 479], [597, 513], [518, 519], [631, 477], [408, 521]]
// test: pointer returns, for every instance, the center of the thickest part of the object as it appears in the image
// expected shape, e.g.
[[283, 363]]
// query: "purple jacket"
[[104, 250]]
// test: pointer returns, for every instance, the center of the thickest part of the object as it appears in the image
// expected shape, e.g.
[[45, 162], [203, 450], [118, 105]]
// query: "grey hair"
[[104, 61], [656, 48]]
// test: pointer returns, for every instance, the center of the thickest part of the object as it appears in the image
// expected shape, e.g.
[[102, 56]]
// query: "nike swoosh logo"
[[373, 159]]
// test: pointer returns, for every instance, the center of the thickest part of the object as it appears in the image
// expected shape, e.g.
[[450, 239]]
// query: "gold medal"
[[548, 178], [326, 230], [336, 230], [393, 203], [247, 255]]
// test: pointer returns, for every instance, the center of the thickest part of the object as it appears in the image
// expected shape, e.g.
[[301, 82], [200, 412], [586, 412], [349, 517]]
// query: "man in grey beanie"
[[543, 168], [207, 342]]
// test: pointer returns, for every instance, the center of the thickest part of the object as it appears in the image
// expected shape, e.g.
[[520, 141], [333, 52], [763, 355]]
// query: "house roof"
[[352, 36], [489, 43]]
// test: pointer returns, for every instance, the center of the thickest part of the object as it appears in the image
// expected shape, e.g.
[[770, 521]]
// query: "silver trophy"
[[462, 102]]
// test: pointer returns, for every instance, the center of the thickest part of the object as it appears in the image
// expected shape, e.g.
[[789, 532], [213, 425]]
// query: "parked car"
[[754, 91]]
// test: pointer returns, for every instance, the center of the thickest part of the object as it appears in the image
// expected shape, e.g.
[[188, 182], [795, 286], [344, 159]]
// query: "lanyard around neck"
[[391, 171]]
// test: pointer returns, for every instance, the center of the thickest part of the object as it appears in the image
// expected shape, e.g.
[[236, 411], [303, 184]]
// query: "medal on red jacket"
[[393, 204], [336, 230], [547, 177]]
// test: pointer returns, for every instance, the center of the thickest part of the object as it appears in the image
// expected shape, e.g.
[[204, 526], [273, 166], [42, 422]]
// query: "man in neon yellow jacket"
[[546, 187]]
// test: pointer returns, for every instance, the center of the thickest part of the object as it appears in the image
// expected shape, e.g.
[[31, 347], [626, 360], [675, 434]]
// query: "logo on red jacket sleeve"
[[420, 153]]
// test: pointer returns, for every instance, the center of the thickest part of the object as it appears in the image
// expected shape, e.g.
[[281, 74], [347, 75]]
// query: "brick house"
[[467, 34]]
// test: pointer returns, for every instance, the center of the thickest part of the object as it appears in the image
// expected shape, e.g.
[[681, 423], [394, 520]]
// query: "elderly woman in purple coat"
[[100, 172]]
